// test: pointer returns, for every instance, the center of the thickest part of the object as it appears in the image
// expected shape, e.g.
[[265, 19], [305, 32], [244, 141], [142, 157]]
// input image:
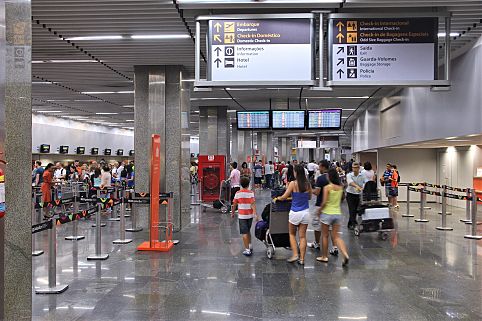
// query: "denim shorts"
[[315, 219], [331, 219], [245, 225]]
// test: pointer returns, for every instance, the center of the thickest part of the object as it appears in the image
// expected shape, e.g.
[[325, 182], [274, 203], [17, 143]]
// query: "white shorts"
[[315, 219], [301, 217]]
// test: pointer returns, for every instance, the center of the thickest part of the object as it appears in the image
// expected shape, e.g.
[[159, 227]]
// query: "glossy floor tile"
[[419, 273]]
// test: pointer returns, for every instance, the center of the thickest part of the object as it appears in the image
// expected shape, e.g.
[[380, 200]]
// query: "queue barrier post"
[[113, 215], [98, 233], [75, 227], [473, 235], [444, 212], [53, 287], [468, 204], [34, 213], [122, 228], [134, 228], [407, 214], [423, 199], [444, 188]]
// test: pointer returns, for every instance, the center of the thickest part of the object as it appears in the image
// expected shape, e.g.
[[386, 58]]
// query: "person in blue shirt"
[[385, 181]]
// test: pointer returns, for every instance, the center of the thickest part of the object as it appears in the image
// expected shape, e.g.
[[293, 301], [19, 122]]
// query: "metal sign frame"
[[198, 82], [437, 82]]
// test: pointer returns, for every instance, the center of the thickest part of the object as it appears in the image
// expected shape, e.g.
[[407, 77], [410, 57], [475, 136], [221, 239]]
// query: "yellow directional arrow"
[[339, 37], [217, 26], [217, 38], [340, 25]]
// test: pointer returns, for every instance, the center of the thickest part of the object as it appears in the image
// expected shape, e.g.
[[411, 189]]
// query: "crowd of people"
[[329, 182], [95, 174]]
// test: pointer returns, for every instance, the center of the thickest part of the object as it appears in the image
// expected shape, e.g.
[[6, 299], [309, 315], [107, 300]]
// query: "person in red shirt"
[[394, 178], [246, 203], [46, 188]]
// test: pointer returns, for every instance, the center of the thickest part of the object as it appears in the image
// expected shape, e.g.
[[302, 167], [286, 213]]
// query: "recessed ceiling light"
[[95, 38], [194, 99], [57, 100], [106, 113], [42, 82], [178, 36], [129, 120], [126, 92]]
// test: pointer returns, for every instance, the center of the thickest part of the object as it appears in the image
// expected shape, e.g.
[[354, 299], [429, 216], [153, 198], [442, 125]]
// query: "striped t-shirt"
[[244, 198]]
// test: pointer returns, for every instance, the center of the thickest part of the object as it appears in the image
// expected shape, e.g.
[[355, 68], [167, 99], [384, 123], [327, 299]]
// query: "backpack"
[[265, 214], [398, 179], [260, 230]]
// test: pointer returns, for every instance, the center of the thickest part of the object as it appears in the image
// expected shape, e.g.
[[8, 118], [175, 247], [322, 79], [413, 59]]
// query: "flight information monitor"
[[288, 119], [253, 119], [324, 119]]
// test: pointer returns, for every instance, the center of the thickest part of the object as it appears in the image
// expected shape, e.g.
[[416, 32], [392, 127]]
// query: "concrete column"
[[214, 131], [234, 144], [265, 144], [162, 107], [15, 92]]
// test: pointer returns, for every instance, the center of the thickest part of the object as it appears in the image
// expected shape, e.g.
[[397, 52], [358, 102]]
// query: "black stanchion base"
[[37, 253], [427, 208], [101, 225], [408, 215], [125, 241], [175, 242], [133, 230], [465, 221], [421, 220], [473, 237], [55, 290], [99, 257], [114, 219], [75, 238], [448, 213], [196, 204], [441, 228]]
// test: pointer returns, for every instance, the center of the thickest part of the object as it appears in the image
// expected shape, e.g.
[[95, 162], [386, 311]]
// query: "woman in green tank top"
[[330, 211]]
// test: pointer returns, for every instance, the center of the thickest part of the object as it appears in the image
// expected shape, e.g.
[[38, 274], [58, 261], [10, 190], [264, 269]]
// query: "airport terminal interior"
[[240, 160]]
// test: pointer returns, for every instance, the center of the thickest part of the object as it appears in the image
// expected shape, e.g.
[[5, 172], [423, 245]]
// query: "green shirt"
[[333, 202]]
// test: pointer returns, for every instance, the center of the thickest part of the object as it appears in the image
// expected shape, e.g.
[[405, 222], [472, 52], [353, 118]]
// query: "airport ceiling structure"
[[84, 52]]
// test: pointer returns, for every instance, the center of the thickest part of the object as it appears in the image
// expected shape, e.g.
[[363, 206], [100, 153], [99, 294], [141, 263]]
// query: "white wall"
[[414, 165], [56, 132], [419, 114]]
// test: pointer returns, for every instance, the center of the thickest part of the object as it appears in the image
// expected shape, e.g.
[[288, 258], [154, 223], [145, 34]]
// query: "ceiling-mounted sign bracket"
[[386, 49], [257, 50]]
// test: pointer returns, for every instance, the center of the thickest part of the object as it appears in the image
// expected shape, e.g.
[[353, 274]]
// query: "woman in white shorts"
[[300, 192]]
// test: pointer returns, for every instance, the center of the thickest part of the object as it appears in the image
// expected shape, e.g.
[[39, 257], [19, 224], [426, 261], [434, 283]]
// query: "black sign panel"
[[45, 148], [94, 151], [107, 152], [64, 149], [81, 150]]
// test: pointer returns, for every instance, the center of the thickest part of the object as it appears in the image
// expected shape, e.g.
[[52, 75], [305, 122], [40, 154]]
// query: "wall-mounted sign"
[[261, 50], [107, 152], [81, 150], [64, 149], [366, 50], [120, 152], [94, 151], [131, 152], [45, 148]]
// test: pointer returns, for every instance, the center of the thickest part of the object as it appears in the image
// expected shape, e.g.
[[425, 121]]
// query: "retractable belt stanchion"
[[134, 227], [422, 218], [473, 235], [75, 227], [113, 216], [34, 213], [98, 233], [408, 204], [52, 288], [468, 203], [122, 239], [444, 212]]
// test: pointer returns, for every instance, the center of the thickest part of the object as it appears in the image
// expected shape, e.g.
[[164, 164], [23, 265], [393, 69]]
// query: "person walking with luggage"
[[330, 211], [234, 179], [299, 216], [355, 181], [245, 201]]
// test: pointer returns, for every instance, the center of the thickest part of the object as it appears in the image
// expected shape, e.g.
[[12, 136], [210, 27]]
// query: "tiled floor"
[[419, 273]]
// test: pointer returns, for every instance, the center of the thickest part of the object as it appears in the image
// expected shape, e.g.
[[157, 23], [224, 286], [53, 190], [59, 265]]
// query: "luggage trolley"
[[225, 196], [375, 215], [277, 234]]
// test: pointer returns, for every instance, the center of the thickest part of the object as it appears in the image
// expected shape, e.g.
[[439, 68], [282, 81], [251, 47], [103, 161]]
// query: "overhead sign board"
[[382, 50], [272, 49]]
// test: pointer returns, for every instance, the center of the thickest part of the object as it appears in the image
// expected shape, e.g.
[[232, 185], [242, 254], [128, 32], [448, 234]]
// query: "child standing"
[[245, 202]]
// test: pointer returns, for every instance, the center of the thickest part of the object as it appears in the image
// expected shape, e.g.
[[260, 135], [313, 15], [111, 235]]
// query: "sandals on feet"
[[321, 259], [292, 259]]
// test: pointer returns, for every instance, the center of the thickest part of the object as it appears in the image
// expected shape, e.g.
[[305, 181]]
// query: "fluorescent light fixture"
[[38, 61], [188, 80], [451, 138], [353, 318], [344, 117], [231, 110], [130, 120], [97, 92], [349, 109], [126, 92], [215, 312], [194, 99], [166, 36], [48, 111], [106, 113], [340, 97], [452, 34], [87, 100], [95, 38], [42, 83], [128, 106], [57, 100], [71, 61]]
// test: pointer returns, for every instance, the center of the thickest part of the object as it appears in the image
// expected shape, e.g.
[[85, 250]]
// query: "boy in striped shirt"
[[245, 202]]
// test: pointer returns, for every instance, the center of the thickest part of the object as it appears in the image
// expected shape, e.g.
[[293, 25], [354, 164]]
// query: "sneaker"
[[334, 251], [247, 252], [313, 245], [250, 247]]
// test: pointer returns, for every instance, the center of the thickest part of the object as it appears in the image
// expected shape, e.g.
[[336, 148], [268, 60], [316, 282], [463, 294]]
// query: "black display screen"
[[253, 119], [45, 148], [324, 119], [107, 152], [81, 150], [120, 152], [288, 119], [131, 152], [64, 149], [94, 151]]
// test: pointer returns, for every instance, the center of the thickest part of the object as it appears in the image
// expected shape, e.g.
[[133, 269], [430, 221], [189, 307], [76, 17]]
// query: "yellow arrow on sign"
[[217, 38], [340, 25], [339, 37], [217, 26]]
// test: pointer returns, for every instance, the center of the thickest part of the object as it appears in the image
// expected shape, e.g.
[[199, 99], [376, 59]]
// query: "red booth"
[[211, 172]]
